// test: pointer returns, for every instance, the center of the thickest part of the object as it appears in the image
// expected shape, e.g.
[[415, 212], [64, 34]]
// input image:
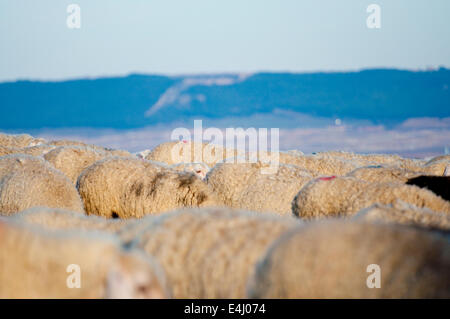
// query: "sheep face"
[[133, 278]]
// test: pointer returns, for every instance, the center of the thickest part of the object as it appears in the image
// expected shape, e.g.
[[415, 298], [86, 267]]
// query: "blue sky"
[[209, 36]]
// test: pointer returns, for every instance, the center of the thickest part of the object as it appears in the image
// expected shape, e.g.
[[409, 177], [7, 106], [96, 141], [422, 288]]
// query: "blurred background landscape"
[[135, 71]]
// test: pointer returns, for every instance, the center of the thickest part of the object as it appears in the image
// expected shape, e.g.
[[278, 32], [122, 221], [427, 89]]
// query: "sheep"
[[55, 219], [199, 169], [37, 150], [11, 162], [440, 185], [245, 186], [132, 228], [66, 143], [127, 187], [340, 259], [438, 167], [210, 252], [378, 173], [4, 150], [318, 165], [373, 159], [403, 213], [19, 141], [229, 180], [110, 151], [435, 166], [27, 181], [61, 219], [274, 192], [344, 196], [439, 158], [72, 160], [176, 152], [37, 264], [114, 152]]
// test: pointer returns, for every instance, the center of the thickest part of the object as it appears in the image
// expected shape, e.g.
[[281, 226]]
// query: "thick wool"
[[4, 150], [34, 264], [210, 253], [406, 214], [12, 162], [27, 181], [19, 141], [127, 187], [37, 150], [373, 159], [54, 219], [229, 180], [199, 169], [320, 165], [72, 160], [383, 174], [344, 196], [132, 228], [245, 186], [111, 151], [60, 219], [435, 166], [178, 152], [331, 259], [440, 185], [369, 158]]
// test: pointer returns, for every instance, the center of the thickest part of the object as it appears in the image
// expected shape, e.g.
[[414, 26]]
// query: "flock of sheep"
[[147, 226]]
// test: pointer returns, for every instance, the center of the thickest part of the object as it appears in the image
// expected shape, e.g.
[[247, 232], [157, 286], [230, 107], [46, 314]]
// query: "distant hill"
[[139, 100]]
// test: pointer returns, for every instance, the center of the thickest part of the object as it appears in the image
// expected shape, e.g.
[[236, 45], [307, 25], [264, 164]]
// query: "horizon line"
[[210, 74]]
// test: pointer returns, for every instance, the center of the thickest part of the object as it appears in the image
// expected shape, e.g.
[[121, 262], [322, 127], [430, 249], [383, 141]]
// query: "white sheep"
[[61, 219], [385, 174], [341, 259], [37, 264], [19, 141], [210, 252], [246, 186], [72, 160], [176, 152], [27, 181], [406, 214], [128, 187], [345, 196]]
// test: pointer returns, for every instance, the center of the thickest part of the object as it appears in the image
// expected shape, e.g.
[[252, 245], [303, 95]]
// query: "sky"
[[173, 37]]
